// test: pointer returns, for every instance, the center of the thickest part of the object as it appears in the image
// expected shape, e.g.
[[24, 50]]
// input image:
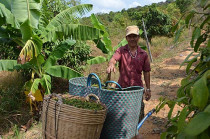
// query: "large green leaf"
[[43, 22], [171, 109], [35, 85], [7, 17], [190, 64], [26, 9], [4, 35], [59, 52], [37, 61], [205, 21], [200, 40], [72, 31], [198, 124], [63, 72], [96, 23], [189, 17], [183, 135], [122, 43], [68, 15], [106, 40], [6, 3], [196, 34], [96, 60], [101, 45], [46, 83], [182, 117], [6, 65], [200, 91], [26, 30], [207, 109]]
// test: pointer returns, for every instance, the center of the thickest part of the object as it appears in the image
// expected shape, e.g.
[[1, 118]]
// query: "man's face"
[[132, 40]]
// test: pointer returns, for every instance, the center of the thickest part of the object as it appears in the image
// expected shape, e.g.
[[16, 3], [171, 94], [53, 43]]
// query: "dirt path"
[[165, 80]]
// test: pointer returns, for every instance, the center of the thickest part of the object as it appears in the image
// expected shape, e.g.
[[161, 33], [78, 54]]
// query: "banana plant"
[[32, 31], [42, 70]]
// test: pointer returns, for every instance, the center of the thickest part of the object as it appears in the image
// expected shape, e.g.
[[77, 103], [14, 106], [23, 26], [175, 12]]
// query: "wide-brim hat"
[[132, 30]]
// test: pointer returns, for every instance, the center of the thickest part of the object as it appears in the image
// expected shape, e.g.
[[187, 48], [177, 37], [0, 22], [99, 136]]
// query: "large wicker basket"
[[61, 121]]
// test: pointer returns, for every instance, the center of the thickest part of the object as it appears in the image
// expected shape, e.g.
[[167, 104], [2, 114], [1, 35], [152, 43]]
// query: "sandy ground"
[[165, 81]]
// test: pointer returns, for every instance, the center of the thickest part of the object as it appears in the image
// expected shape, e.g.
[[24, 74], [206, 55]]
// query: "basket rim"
[[141, 89], [88, 110]]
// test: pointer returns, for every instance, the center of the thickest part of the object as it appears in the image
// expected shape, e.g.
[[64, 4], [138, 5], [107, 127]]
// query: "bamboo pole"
[[145, 34]]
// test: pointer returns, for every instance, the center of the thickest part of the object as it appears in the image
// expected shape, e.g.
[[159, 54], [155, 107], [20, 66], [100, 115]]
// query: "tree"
[[193, 121], [184, 5], [156, 22]]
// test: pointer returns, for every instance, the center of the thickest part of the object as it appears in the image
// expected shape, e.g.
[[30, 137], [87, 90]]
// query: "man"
[[132, 61]]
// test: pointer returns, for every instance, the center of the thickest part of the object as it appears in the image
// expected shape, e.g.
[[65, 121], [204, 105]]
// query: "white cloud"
[[111, 4], [100, 10], [134, 4], [156, 1]]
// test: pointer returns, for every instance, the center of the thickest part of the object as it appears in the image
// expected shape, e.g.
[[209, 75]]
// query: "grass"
[[13, 109], [33, 133], [164, 47]]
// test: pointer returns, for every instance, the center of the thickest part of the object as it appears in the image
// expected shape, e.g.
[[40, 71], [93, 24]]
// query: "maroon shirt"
[[131, 68]]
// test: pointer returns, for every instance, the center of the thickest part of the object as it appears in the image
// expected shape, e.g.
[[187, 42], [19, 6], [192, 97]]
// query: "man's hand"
[[111, 68], [147, 94]]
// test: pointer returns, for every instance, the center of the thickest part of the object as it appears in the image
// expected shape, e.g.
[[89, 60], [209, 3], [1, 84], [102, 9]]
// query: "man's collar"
[[139, 50]]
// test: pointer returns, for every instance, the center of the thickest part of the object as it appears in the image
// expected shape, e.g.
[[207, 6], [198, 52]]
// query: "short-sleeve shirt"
[[131, 68]]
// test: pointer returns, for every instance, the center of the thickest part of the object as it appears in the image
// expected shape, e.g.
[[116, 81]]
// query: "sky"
[[105, 6]]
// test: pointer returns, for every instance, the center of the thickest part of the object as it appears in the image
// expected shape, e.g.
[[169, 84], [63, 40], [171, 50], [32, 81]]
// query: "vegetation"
[[157, 23], [91, 105], [33, 33], [193, 95], [50, 34]]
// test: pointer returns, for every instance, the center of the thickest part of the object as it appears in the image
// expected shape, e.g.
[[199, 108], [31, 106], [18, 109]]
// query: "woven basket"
[[61, 121], [123, 106]]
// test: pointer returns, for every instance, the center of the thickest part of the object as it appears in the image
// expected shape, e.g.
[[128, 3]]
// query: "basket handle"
[[92, 95], [106, 84], [89, 80]]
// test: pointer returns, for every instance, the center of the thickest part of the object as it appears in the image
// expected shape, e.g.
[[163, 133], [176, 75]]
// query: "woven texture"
[[123, 107], [72, 122]]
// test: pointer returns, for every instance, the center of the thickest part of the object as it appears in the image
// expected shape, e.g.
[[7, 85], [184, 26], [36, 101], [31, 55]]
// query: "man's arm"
[[111, 65], [147, 82]]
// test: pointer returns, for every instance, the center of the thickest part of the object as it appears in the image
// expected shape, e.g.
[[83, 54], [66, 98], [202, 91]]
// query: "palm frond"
[[6, 17], [63, 72], [6, 65], [26, 9], [72, 31], [69, 14]]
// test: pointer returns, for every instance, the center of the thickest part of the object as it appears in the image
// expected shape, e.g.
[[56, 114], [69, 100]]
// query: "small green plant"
[[16, 131]]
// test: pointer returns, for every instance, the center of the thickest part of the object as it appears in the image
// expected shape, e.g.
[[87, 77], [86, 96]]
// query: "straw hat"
[[132, 30]]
